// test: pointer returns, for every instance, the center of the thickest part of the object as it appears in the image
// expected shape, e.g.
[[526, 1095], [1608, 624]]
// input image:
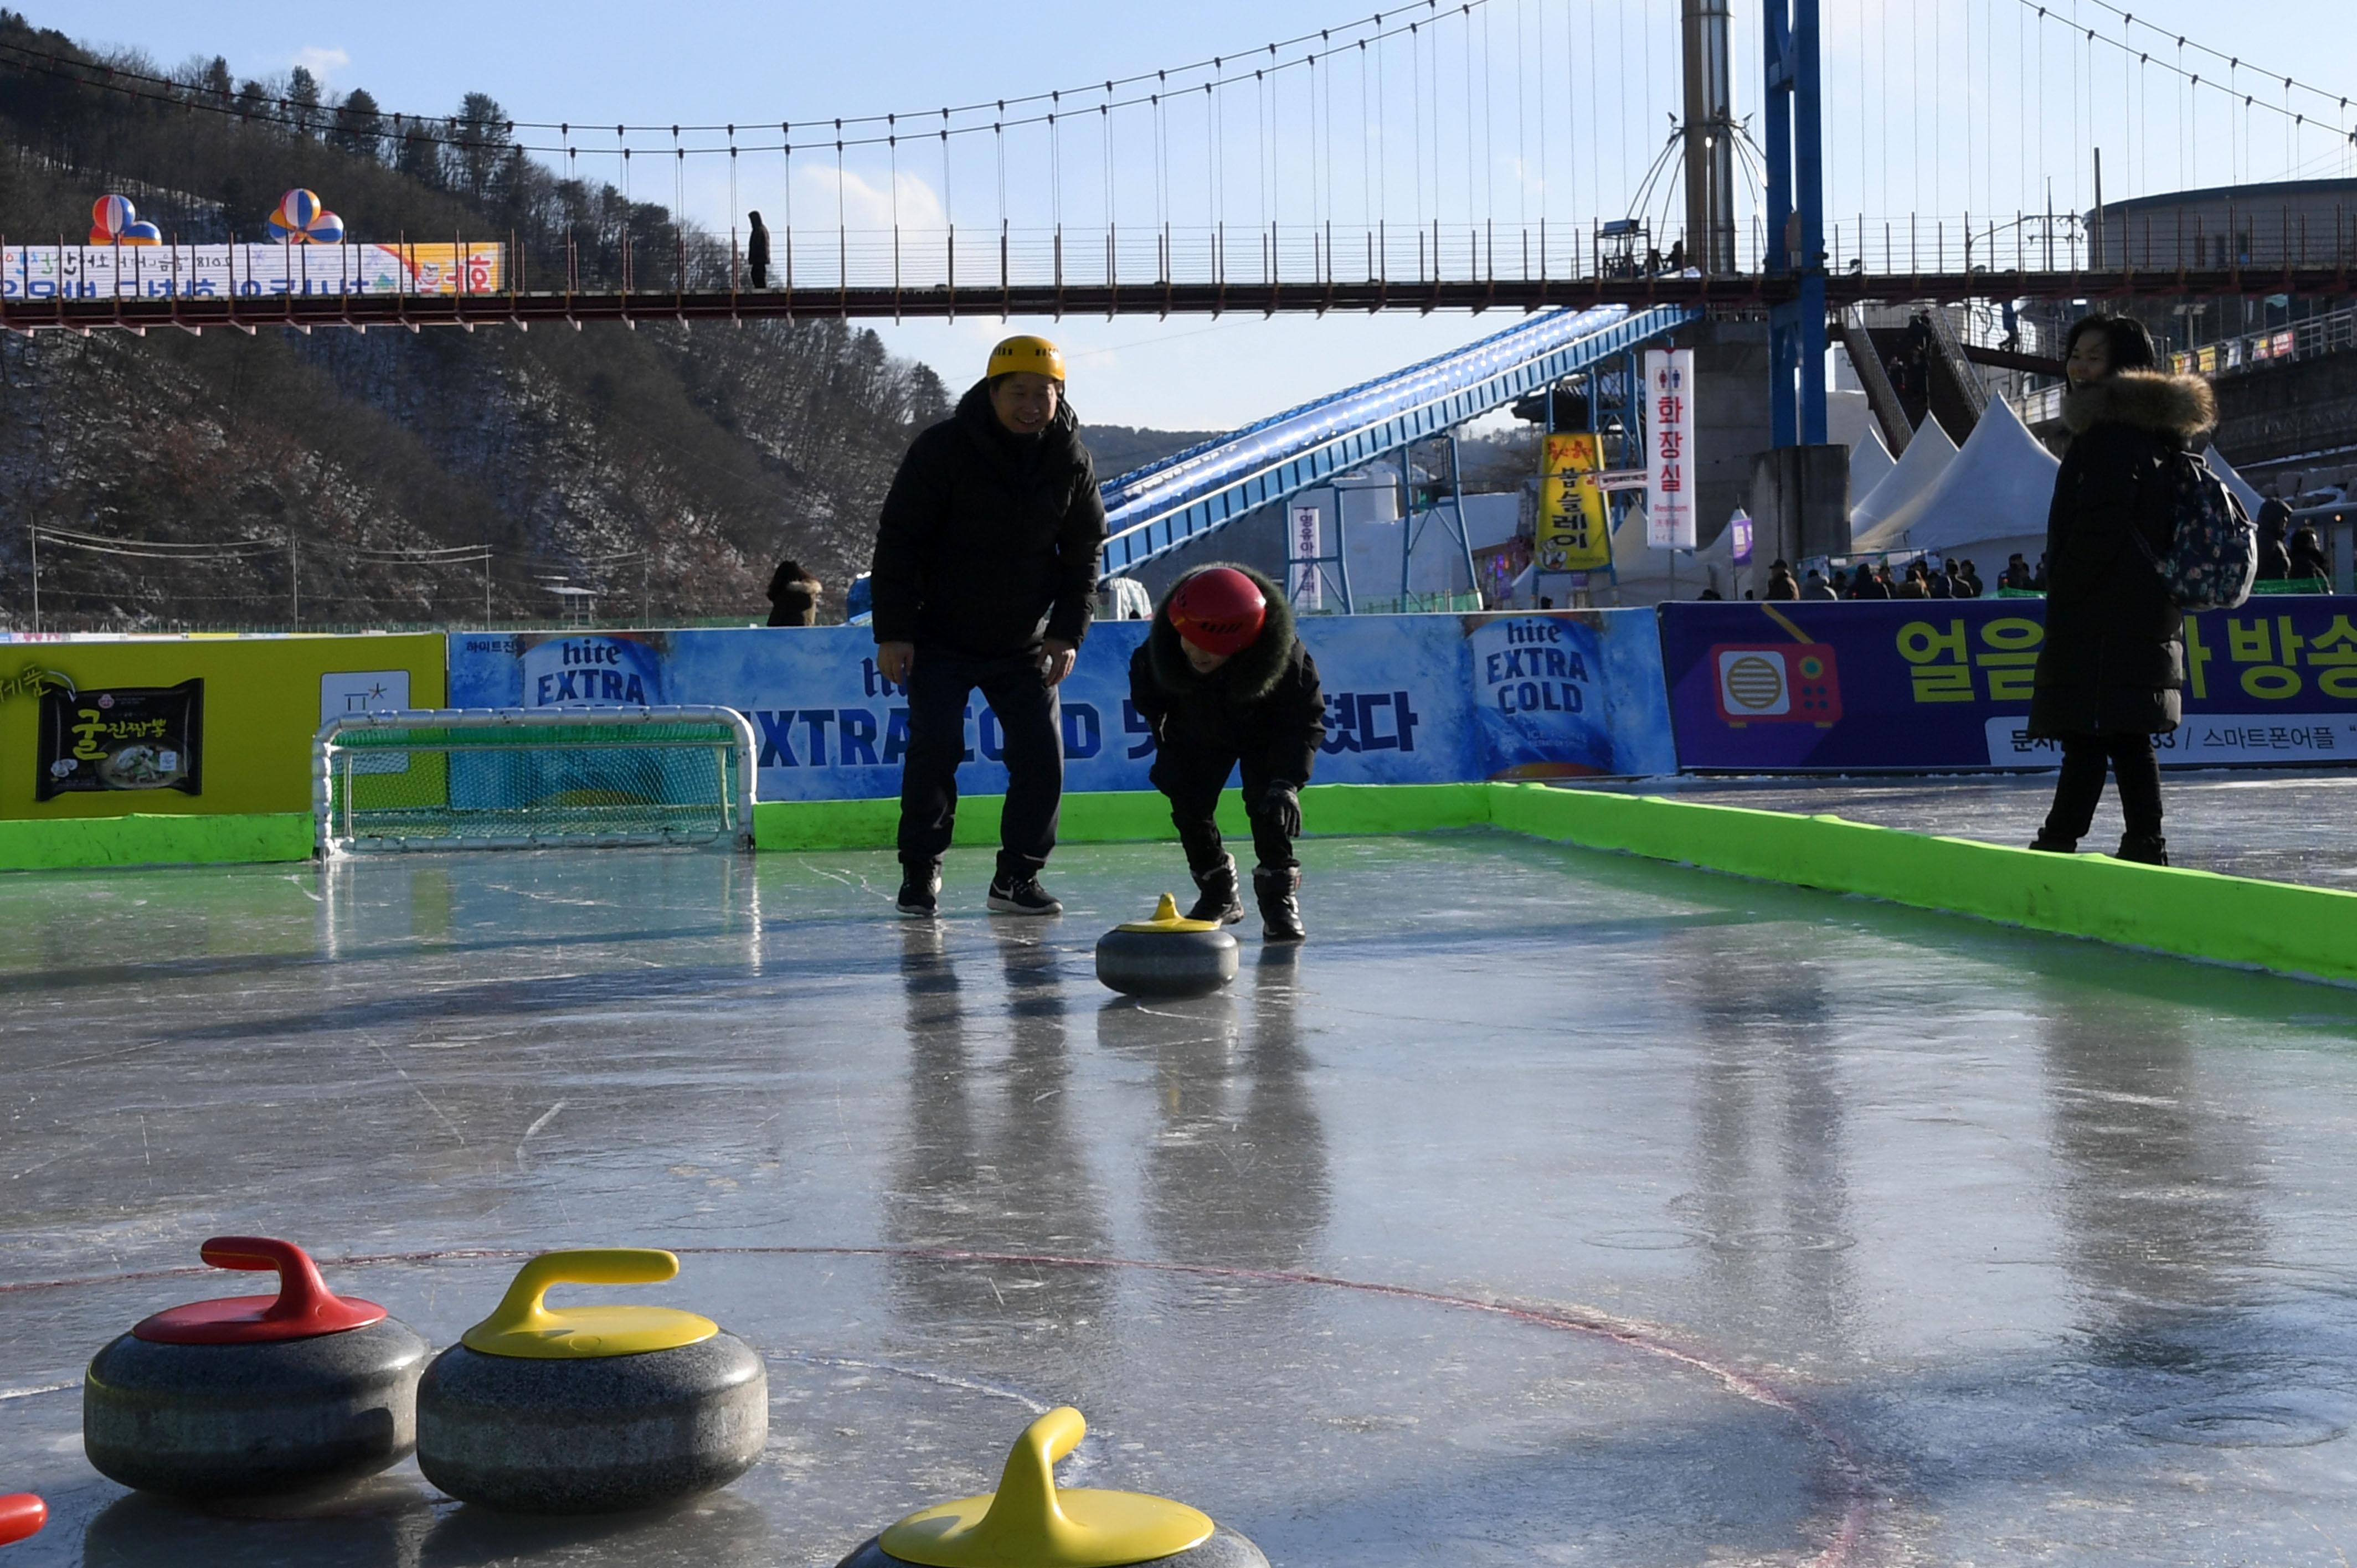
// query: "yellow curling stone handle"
[[1166, 917], [1028, 1523], [525, 1325]]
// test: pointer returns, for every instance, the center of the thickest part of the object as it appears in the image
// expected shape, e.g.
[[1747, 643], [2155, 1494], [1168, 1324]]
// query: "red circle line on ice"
[[1844, 1472]]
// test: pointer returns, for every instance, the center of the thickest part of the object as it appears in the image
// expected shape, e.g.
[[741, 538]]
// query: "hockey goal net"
[[533, 779]]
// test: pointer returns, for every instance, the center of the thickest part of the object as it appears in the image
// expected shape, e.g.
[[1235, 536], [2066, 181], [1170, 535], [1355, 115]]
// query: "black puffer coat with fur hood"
[[2114, 660], [1263, 707]]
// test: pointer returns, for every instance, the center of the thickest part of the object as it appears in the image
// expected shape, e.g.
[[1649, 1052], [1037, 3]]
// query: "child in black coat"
[[1224, 682]]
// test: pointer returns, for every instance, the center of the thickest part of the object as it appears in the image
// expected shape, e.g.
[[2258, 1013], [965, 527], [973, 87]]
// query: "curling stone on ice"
[[21, 1514], [591, 1409], [1029, 1522], [249, 1395], [1168, 955]]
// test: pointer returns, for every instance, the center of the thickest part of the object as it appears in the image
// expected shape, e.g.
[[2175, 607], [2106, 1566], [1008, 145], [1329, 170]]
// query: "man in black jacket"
[[1223, 680], [984, 574]]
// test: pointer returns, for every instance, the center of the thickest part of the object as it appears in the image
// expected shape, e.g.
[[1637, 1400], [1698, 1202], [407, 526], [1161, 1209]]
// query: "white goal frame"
[[521, 722]]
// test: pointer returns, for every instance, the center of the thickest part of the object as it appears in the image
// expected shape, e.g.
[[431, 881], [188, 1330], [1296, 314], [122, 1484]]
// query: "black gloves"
[[1281, 803]]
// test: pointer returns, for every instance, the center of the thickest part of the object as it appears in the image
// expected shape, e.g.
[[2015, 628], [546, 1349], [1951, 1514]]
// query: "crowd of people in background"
[[1955, 579], [2286, 553]]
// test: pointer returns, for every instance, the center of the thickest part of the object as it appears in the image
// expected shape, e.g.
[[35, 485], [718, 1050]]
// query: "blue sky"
[[1602, 74]]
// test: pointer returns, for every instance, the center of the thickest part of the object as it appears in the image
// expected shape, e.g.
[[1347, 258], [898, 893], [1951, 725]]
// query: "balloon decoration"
[[301, 219], [114, 221]]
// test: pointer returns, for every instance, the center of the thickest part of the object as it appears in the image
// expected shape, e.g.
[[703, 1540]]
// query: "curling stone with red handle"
[[21, 1514], [246, 1396]]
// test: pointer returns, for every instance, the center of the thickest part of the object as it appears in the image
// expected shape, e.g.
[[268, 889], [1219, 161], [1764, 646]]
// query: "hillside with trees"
[[667, 468]]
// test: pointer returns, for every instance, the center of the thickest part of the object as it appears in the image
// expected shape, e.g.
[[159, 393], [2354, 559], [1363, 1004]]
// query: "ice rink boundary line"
[[1856, 1496]]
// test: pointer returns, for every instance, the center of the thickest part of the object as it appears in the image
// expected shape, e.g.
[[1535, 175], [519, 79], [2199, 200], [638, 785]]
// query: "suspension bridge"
[[1476, 156], [1482, 154]]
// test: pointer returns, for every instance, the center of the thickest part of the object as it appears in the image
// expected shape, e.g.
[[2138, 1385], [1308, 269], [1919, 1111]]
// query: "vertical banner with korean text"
[[1669, 448], [1307, 590], [1574, 534]]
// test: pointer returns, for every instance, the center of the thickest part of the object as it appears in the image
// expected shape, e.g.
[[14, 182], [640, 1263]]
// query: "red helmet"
[[1219, 609]]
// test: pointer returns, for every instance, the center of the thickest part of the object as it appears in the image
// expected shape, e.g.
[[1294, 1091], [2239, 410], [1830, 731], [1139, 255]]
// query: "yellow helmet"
[[1035, 355]]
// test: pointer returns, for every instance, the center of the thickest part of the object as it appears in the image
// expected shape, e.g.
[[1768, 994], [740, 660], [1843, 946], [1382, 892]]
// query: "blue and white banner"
[[1409, 699]]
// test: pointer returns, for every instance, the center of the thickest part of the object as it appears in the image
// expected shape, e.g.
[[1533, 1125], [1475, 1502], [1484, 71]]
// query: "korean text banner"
[[1945, 684], [1669, 448], [1409, 699], [207, 272], [1573, 532]]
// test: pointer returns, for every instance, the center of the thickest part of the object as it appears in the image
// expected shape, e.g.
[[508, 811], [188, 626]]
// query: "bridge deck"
[[1749, 291]]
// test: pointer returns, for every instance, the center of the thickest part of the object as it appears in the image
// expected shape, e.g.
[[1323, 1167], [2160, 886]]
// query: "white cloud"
[[869, 203], [322, 63]]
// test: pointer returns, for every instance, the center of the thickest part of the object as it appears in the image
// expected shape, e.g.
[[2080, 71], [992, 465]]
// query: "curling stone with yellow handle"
[[591, 1409], [248, 1396], [1168, 955], [1030, 1522]]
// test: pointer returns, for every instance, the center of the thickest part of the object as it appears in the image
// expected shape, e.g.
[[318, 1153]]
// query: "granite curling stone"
[[250, 1396], [591, 1409], [1030, 1522], [21, 1515], [1168, 955]]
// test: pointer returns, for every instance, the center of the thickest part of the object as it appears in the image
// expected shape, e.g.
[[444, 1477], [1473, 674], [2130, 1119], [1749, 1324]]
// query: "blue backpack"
[[2213, 555]]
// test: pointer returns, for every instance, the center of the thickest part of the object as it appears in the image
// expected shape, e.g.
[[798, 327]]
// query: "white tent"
[[1990, 500], [1647, 577], [1848, 417], [2250, 498], [1717, 561], [1870, 463], [1929, 453]]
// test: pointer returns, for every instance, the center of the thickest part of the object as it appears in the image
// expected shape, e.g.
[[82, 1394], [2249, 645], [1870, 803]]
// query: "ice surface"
[[1842, 1229], [2285, 825]]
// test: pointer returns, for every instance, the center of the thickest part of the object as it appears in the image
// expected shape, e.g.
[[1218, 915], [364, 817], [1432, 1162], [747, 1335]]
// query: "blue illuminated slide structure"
[[1153, 510]]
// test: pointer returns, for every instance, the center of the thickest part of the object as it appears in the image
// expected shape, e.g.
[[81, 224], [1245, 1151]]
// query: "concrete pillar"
[[1800, 504], [1709, 135]]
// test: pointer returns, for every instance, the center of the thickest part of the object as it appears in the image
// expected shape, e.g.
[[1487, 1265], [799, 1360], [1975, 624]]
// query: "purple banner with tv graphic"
[[1911, 685], [1409, 699]]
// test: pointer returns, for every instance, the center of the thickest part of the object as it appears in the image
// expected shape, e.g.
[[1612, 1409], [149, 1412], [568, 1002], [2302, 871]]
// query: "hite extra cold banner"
[[128, 738]]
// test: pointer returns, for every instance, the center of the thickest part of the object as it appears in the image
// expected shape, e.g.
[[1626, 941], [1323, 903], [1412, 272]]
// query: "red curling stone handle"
[[304, 1307], [21, 1514]]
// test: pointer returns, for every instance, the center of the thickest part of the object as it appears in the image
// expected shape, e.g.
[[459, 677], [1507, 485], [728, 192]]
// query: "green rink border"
[[2309, 932], [1124, 816], [62, 844]]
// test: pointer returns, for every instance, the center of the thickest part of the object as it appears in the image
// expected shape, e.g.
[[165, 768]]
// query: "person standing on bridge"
[[985, 576], [756, 253], [2111, 673]]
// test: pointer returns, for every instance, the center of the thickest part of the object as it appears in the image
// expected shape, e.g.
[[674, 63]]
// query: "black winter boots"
[[1280, 911], [920, 890], [2146, 849], [1222, 896]]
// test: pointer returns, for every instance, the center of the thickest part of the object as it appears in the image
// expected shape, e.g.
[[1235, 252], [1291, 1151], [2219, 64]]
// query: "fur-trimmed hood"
[[1253, 673], [2177, 406]]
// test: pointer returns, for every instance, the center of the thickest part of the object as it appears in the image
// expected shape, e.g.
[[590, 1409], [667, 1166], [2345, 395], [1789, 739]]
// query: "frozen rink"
[[1836, 1233]]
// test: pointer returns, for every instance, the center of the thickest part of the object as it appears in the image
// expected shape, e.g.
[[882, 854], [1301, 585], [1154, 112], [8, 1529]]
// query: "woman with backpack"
[[2111, 671]]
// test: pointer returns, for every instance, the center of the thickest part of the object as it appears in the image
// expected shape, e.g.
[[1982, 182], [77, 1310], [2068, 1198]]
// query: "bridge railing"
[[1900, 246], [2332, 332]]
